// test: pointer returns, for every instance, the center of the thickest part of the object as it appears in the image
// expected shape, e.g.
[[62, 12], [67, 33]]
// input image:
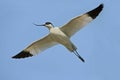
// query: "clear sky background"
[[98, 43]]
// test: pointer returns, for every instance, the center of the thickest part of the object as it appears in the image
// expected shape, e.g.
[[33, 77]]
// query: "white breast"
[[59, 36], [56, 31]]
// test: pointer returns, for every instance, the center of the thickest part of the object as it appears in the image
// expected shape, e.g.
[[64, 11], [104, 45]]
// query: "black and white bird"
[[60, 35]]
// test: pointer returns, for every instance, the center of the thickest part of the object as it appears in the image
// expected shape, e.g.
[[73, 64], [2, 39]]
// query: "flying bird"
[[60, 35]]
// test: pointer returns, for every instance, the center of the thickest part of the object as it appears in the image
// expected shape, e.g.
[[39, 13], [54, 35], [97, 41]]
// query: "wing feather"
[[79, 22], [36, 47]]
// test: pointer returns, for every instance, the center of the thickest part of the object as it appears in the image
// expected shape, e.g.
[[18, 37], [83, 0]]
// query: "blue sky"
[[98, 43]]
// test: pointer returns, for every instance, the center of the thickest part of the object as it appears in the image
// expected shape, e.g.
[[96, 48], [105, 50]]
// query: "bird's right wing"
[[36, 47], [77, 23]]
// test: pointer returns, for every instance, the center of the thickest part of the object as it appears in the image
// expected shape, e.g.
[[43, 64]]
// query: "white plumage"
[[60, 35]]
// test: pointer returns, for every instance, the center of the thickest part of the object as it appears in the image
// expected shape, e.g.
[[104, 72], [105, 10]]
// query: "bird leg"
[[76, 53]]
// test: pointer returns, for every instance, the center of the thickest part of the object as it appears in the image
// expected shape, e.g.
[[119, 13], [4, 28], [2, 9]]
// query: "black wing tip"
[[95, 12], [22, 54]]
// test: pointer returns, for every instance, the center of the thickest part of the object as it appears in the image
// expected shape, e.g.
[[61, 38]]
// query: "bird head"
[[49, 25]]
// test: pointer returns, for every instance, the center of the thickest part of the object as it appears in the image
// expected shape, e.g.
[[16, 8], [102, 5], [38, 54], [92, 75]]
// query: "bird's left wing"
[[36, 47], [77, 23]]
